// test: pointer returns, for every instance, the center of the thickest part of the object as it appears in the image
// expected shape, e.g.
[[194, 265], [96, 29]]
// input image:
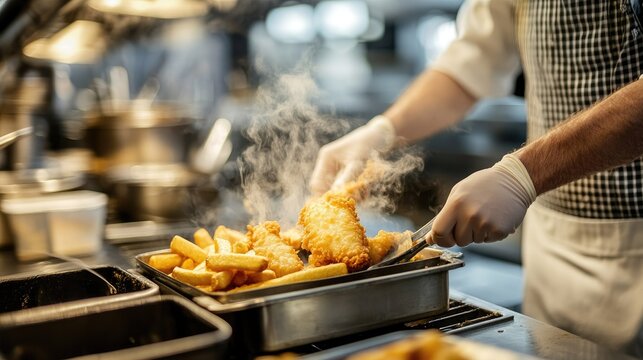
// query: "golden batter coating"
[[381, 244], [385, 243], [333, 233], [265, 239]]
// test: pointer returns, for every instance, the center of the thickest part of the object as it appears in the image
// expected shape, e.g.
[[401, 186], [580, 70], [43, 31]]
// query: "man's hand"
[[344, 159], [486, 206]]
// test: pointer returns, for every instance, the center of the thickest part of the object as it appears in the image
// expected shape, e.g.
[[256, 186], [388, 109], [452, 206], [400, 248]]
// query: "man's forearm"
[[433, 102], [606, 135]]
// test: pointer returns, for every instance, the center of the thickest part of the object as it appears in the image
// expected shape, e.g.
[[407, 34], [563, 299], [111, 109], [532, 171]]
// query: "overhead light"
[[162, 9], [291, 24], [81, 42], [341, 19]]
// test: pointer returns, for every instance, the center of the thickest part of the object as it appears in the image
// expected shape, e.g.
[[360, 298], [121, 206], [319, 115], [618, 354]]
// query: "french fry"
[[312, 273], [231, 235], [221, 262], [188, 264], [223, 246], [165, 262], [188, 249], [210, 249], [193, 277], [200, 267], [257, 277], [240, 278], [207, 288], [240, 247], [203, 239], [222, 280]]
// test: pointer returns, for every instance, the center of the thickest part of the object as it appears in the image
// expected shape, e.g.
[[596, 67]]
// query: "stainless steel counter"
[[532, 337]]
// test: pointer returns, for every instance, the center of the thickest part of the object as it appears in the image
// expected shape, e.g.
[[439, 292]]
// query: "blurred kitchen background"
[[150, 102]]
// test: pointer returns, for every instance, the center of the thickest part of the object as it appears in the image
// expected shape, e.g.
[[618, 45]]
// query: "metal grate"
[[460, 317]]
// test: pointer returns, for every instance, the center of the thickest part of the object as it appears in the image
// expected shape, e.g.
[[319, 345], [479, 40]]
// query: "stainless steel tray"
[[160, 327], [70, 288], [282, 317]]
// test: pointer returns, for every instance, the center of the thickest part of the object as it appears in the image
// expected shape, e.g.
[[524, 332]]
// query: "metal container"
[[159, 192], [66, 223], [164, 327], [282, 317], [159, 134], [70, 289], [33, 182], [24, 107]]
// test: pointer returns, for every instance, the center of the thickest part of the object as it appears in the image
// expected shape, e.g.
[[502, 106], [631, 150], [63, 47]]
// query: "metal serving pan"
[[70, 288], [282, 317], [160, 327]]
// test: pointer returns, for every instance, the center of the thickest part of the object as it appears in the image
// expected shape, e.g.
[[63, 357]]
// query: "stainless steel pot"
[[158, 192], [160, 134]]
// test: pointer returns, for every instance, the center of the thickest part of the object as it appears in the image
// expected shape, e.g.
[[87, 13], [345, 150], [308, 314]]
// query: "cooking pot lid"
[[38, 181]]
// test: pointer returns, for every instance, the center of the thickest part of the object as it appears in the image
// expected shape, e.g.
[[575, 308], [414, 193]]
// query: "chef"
[[577, 183]]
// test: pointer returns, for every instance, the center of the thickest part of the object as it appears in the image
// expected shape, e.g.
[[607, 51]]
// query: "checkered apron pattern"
[[583, 242], [575, 53]]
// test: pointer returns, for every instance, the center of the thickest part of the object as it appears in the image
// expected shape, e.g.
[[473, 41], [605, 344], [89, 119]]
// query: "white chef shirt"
[[484, 58]]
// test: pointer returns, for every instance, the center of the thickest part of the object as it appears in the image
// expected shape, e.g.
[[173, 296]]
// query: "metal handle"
[[10, 138]]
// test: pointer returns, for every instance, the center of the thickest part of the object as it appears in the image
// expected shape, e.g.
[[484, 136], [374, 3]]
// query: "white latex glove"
[[486, 206], [344, 159]]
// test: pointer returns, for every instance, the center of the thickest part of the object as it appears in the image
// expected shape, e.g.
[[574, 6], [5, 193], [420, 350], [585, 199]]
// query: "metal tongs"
[[419, 242]]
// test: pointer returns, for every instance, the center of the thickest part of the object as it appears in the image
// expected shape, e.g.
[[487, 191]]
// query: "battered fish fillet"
[[332, 232], [380, 245], [265, 239], [293, 237], [386, 242]]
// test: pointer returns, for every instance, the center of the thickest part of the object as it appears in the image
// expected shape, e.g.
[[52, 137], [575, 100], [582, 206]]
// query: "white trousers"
[[585, 276]]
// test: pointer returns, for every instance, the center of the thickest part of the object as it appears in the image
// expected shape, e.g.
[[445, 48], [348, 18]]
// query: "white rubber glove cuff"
[[511, 165], [383, 125]]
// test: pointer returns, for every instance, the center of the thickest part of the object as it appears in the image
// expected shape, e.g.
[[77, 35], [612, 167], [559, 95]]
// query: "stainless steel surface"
[[38, 181], [524, 336], [419, 243], [70, 289], [10, 138], [160, 134], [164, 327], [20, 108], [159, 192], [215, 150], [285, 316]]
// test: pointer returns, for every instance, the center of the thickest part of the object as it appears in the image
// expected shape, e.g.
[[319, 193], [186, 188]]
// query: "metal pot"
[[159, 192], [160, 134]]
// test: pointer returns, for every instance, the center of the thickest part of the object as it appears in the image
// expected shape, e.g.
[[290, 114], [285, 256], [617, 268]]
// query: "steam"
[[381, 184], [287, 132]]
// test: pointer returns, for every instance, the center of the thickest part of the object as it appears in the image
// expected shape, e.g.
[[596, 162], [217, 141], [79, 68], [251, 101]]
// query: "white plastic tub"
[[68, 223]]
